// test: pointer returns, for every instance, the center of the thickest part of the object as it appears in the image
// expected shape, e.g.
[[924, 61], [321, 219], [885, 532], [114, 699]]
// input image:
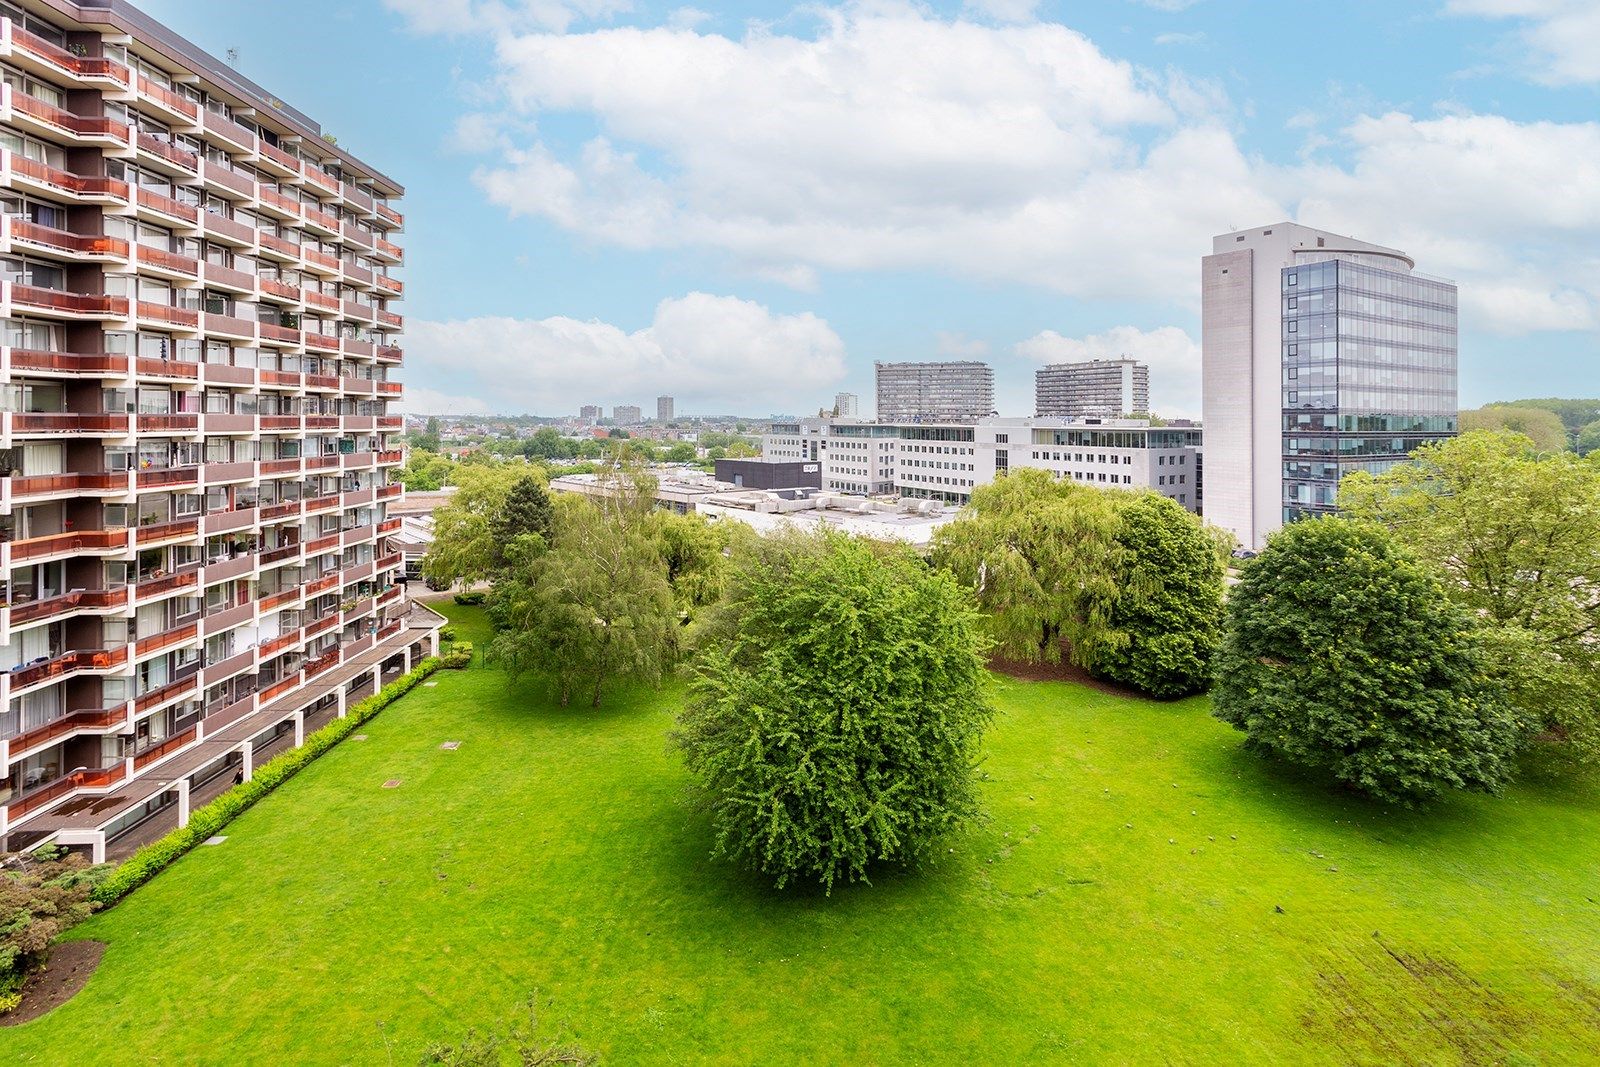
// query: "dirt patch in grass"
[[70, 966], [1396, 1007], [1065, 671]]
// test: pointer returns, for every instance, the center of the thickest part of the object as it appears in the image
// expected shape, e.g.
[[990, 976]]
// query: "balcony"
[[177, 635], [27, 487], [355, 235], [390, 492], [277, 512], [221, 522], [169, 208], [26, 172], [322, 342], [228, 374], [390, 215], [228, 278], [175, 158], [31, 50], [280, 424], [388, 251], [388, 526], [166, 477], [179, 530], [101, 778], [227, 230], [274, 556], [151, 588], [230, 326], [280, 599], [174, 690], [279, 247], [64, 242], [357, 274], [36, 362], [174, 104], [69, 663], [318, 545], [30, 611], [281, 335], [321, 179], [391, 423], [320, 262], [60, 303], [287, 465], [390, 353], [390, 388], [354, 346], [166, 315], [220, 127], [161, 261], [165, 748], [29, 423], [391, 286], [277, 204], [55, 122], [390, 319], [320, 220], [180, 423], [390, 456], [276, 159], [101, 719], [151, 367]]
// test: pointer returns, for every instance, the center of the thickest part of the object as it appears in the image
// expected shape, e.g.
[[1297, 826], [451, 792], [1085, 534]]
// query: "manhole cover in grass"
[[216, 839], [358, 737], [450, 746], [429, 685], [391, 783]]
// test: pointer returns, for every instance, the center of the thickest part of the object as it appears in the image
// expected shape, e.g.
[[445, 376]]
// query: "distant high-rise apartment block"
[[664, 409], [198, 453], [590, 413], [956, 391], [846, 405], [627, 414], [1322, 354], [1096, 387]]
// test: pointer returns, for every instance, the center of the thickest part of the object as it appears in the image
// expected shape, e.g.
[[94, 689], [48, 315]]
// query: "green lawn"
[[1119, 905]]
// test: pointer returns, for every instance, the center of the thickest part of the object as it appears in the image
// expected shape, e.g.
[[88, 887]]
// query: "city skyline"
[[529, 293]]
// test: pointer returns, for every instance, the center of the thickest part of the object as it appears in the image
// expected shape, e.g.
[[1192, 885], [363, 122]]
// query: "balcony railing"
[[154, 587], [177, 104], [155, 201], [72, 722], [166, 530], [167, 368], [281, 245], [67, 182], [178, 157], [170, 691], [186, 317], [86, 779], [221, 224], [67, 422], [165, 748], [79, 482], [89, 304], [66, 121], [278, 156], [66, 241], [33, 610], [217, 274], [47, 52], [76, 660], [173, 423], [69, 362], [164, 476], [384, 211], [390, 249], [225, 128], [172, 261], [273, 332], [175, 636]]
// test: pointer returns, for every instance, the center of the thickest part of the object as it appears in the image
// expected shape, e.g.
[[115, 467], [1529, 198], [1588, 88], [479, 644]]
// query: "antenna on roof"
[[233, 58]]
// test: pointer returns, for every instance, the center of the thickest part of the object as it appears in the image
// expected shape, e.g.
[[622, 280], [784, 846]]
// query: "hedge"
[[206, 820]]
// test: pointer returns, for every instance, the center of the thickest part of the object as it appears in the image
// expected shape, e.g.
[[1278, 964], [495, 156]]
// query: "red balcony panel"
[[71, 541], [320, 178], [286, 204], [281, 466], [178, 423], [228, 277], [66, 240], [323, 381], [228, 374], [229, 617], [175, 636], [61, 119], [67, 422], [354, 346], [168, 476], [327, 661], [390, 249], [281, 422], [279, 643], [389, 318], [219, 522], [391, 560], [77, 600], [355, 235], [321, 463], [393, 455], [171, 691], [178, 157], [155, 201], [69, 362], [322, 585], [322, 422], [165, 748], [187, 318], [276, 288], [322, 343], [166, 531], [320, 259], [278, 689], [280, 511], [155, 587], [390, 388], [389, 213], [320, 300], [167, 368], [72, 722], [171, 261], [85, 482], [321, 218], [357, 273], [389, 492], [359, 198], [91, 779], [388, 526], [391, 353], [393, 286], [220, 225], [283, 334], [172, 101], [278, 555], [226, 129], [232, 326], [74, 303], [229, 472], [318, 545], [228, 179], [67, 182], [358, 459], [322, 625], [280, 244], [76, 660], [278, 600]]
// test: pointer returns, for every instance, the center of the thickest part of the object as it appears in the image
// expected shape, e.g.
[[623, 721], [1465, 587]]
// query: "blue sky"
[[746, 205]]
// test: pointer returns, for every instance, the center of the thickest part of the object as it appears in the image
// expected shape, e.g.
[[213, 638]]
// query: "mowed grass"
[[1119, 904]]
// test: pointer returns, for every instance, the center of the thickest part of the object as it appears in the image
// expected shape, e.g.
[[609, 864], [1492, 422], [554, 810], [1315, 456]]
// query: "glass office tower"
[[1369, 374]]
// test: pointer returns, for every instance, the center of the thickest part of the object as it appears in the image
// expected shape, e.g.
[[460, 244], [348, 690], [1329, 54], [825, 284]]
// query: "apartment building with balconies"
[[197, 434]]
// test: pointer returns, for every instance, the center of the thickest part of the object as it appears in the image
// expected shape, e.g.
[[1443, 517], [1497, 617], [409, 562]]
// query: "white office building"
[[1104, 388], [1322, 354], [846, 405]]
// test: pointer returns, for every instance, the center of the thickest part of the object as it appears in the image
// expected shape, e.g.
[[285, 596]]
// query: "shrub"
[[837, 707], [41, 896], [206, 820], [447, 633], [1343, 651], [459, 656], [471, 599]]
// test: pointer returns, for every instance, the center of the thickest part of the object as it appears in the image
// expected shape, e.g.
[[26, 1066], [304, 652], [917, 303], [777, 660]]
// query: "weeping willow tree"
[[1128, 584]]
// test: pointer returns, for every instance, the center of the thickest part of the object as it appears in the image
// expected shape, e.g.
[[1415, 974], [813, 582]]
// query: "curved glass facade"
[[1369, 374]]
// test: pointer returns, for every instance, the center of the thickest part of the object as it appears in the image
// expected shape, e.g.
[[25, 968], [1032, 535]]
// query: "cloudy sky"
[[747, 204]]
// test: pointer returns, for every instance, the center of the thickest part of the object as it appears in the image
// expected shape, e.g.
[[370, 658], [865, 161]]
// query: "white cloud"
[[1169, 5], [432, 402], [458, 17], [956, 345], [1180, 38], [685, 18], [713, 353], [1003, 10], [1560, 39], [1173, 357]]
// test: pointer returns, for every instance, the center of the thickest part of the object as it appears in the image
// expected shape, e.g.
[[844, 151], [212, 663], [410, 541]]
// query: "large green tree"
[[1589, 438], [1041, 555], [1343, 652], [1165, 621], [1516, 531], [596, 608], [837, 708], [466, 547], [527, 512], [1541, 425]]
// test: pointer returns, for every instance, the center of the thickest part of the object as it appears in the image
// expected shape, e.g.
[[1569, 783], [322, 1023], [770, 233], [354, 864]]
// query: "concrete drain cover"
[[214, 840], [429, 685], [358, 737], [391, 783], [450, 746]]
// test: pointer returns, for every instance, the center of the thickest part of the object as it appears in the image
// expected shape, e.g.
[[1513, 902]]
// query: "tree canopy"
[[1516, 530], [837, 708], [1541, 425], [1344, 652], [466, 546]]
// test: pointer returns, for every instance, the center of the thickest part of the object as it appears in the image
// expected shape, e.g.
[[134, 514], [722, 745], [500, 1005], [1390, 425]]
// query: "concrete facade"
[[1105, 388]]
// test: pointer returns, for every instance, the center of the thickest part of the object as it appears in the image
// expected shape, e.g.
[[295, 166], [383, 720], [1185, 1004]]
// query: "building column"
[[340, 703], [433, 642], [247, 750], [182, 786], [299, 728], [405, 660]]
